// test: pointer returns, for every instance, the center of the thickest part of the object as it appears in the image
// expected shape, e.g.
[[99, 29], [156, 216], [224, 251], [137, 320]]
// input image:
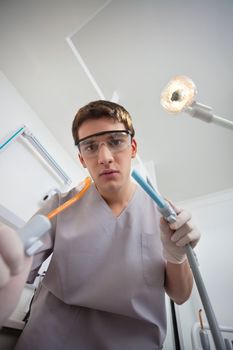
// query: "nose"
[[104, 154]]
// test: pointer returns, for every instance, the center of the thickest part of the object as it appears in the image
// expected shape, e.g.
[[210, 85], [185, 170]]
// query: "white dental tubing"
[[30, 233]]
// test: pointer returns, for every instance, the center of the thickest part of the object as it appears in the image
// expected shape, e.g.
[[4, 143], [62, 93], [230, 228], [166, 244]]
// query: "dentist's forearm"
[[179, 281]]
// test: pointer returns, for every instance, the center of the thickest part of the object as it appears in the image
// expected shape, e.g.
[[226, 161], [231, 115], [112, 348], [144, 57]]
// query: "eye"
[[90, 147], [116, 142]]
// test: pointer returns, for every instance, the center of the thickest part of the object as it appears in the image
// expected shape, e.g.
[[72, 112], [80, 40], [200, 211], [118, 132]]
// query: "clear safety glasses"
[[116, 141]]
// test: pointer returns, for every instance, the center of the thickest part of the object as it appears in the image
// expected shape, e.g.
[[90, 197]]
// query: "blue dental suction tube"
[[170, 215]]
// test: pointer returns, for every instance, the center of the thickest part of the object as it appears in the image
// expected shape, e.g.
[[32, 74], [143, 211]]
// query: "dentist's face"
[[110, 167]]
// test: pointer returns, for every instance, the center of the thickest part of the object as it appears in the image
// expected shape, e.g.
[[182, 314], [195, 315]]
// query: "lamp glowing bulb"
[[179, 94]]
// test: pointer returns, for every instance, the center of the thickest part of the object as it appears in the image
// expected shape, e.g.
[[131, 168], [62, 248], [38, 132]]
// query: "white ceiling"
[[133, 47]]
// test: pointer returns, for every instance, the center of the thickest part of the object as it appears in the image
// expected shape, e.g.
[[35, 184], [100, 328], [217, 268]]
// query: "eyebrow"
[[88, 142]]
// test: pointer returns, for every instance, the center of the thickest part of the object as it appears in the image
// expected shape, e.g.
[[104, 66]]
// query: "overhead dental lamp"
[[180, 95]]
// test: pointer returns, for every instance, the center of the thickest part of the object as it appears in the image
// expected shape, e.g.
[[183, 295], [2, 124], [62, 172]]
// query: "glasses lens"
[[116, 141]]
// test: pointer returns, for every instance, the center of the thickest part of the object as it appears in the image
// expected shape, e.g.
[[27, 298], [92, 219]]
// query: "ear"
[[134, 147], [82, 161]]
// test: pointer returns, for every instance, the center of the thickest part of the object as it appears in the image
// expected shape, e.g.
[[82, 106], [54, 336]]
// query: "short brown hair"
[[100, 109]]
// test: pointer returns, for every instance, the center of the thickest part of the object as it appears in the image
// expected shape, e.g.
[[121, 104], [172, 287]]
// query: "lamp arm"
[[205, 113]]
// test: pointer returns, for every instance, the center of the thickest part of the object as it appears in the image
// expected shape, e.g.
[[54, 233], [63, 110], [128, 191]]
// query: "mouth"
[[109, 172]]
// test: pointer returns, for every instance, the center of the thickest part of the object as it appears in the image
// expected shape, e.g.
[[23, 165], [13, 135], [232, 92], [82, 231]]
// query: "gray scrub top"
[[104, 288]]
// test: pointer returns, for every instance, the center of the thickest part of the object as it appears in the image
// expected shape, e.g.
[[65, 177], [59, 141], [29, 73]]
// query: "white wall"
[[213, 215], [24, 176]]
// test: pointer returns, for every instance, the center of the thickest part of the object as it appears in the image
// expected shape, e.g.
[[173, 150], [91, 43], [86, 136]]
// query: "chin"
[[109, 186]]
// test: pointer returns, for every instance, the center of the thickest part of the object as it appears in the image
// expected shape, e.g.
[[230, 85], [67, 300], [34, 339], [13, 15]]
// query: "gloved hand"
[[12, 256], [176, 235]]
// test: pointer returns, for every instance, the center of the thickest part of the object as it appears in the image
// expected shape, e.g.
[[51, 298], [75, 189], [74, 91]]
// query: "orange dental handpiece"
[[39, 224]]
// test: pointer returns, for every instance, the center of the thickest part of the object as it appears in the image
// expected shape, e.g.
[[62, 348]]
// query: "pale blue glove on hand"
[[176, 235]]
